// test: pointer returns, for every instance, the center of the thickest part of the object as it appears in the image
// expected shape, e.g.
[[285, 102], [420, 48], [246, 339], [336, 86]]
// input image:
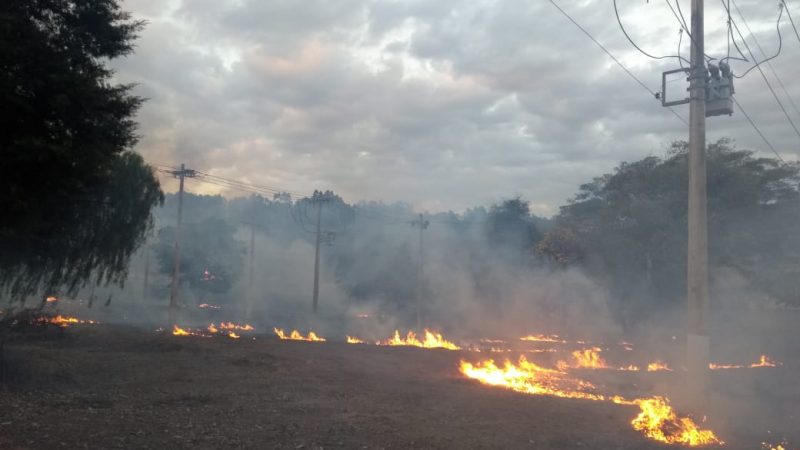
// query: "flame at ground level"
[[354, 340], [65, 321], [657, 420], [432, 340], [764, 361], [296, 336]]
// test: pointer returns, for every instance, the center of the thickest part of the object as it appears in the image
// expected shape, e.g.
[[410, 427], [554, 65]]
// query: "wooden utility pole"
[[422, 224], [176, 263], [697, 355], [146, 272], [250, 292], [315, 301]]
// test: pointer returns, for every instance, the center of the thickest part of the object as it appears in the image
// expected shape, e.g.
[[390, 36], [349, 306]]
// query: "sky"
[[442, 104]]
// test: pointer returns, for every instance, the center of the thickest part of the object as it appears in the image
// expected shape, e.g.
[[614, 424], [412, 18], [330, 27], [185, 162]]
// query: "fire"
[[657, 420], [65, 321], [233, 335], [212, 329], [657, 365], [588, 358], [51, 299], [233, 326], [783, 445], [354, 340], [178, 331], [296, 336], [432, 340], [528, 378], [542, 338], [630, 368], [764, 361]]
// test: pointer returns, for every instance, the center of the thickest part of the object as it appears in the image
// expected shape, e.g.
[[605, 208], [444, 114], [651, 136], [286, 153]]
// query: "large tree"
[[75, 200], [629, 227]]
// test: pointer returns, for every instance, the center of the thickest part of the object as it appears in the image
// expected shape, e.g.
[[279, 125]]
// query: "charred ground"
[[105, 386]]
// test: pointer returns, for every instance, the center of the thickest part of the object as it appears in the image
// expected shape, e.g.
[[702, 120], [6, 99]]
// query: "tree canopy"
[[76, 201], [629, 227]]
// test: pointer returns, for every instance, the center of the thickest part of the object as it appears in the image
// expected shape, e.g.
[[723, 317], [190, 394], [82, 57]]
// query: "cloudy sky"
[[444, 104]]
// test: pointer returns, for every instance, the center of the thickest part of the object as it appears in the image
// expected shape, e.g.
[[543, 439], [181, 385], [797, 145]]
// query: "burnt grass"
[[104, 386]]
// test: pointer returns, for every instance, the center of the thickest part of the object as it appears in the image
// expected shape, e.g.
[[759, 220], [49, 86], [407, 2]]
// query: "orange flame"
[[178, 331], [764, 361], [212, 329], [432, 340], [354, 340], [233, 335], [657, 420], [657, 365], [51, 299], [588, 358], [296, 336], [781, 446], [65, 321], [542, 338], [233, 326]]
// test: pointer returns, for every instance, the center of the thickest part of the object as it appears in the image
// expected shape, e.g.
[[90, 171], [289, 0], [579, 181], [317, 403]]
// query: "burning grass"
[[296, 336], [552, 338], [764, 361], [354, 340], [656, 420], [432, 340], [224, 329]]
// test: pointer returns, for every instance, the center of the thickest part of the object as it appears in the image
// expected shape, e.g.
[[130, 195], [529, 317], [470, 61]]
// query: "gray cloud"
[[442, 104]]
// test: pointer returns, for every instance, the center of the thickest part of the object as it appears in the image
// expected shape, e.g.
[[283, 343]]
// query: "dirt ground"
[[103, 386]]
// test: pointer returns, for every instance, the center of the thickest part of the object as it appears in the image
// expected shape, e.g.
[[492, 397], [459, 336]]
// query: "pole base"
[[697, 359]]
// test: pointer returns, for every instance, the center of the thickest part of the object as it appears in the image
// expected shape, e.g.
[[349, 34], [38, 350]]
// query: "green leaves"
[[75, 200]]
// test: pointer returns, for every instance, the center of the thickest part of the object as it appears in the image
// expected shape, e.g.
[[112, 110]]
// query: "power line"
[[644, 86], [788, 14], [761, 71], [755, 127], [681, 22], [769, 64], [744, 41], [622, 27], [248, 185]]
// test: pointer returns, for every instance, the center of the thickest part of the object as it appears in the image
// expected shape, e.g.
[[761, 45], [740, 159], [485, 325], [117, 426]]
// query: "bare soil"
[[105, 386]]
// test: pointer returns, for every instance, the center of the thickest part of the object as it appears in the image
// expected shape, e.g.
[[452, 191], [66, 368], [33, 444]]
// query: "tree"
[[211, 257], [630, 225], [510, 228], [76, 201]]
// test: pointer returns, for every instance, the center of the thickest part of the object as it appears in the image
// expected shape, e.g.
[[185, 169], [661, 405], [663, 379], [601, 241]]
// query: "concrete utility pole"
[[176, 263], [422, 224], [697, 341]]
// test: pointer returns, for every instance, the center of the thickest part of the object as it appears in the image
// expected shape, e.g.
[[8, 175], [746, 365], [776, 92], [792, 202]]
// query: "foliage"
[[211, 257], [510, 228], [75, 201], [631, 224]]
